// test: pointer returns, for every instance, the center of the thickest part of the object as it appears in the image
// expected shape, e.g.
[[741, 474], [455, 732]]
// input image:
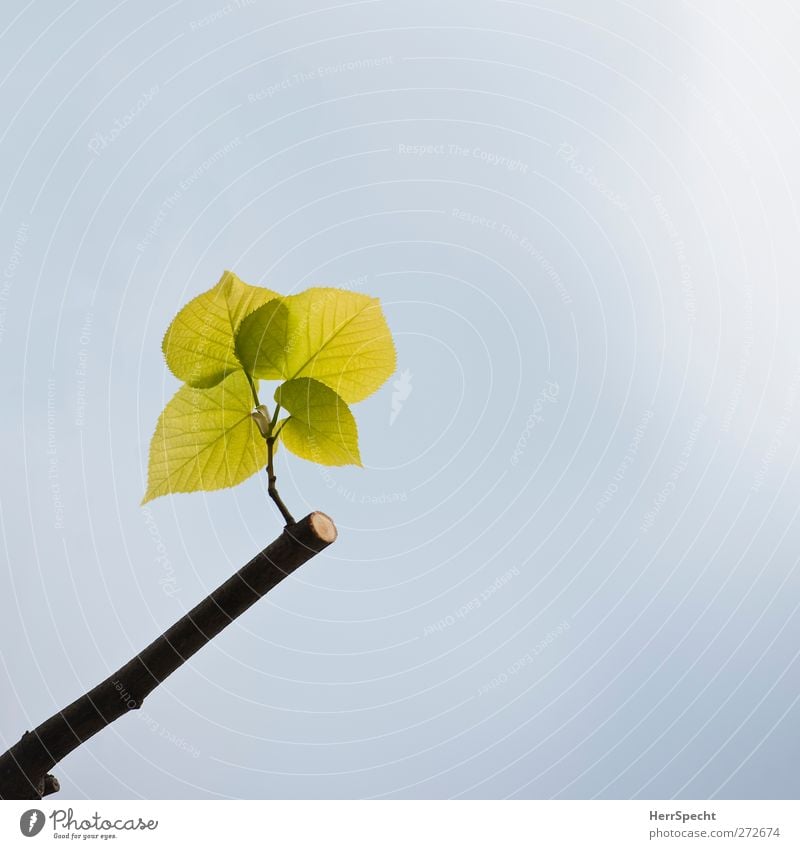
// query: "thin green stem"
[[275, 417], [253, 389], [270, 438], [271, 488]]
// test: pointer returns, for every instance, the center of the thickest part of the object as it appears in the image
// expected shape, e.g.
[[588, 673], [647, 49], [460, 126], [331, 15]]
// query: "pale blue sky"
[[569, 566]]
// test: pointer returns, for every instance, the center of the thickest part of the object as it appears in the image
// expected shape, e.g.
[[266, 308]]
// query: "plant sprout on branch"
[[328, 347]]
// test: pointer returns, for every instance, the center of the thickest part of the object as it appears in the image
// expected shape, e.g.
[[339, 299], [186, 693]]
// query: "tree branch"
[[24, 767]]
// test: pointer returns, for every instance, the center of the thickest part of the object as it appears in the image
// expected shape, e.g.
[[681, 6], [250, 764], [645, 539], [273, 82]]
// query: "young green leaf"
[[198, 345], [261, 340], [321, 427], [338, 337], [205, 439]]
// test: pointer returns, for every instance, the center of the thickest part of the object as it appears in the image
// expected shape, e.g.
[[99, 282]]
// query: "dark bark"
[[24, 768]]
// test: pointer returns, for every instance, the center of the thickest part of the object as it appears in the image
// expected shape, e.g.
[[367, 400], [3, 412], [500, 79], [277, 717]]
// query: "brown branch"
[[24, 768]]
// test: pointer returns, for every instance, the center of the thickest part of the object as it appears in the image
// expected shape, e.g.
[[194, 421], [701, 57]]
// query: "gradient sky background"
[[569, 568]]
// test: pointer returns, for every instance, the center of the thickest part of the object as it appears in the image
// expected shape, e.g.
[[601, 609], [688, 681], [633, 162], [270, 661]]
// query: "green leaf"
[[261, 340], [205, 439], [337, 337], [198, 345], [321, 427]]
